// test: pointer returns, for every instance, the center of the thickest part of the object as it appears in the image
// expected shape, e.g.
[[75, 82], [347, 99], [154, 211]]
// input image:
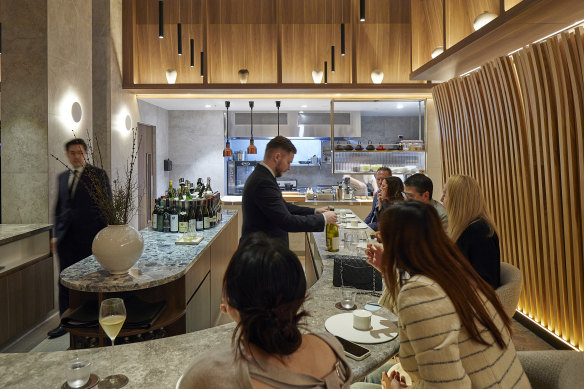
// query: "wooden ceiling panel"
[[157, 55], [306, 46], [242, 46], [190, 11], [460, 15], [316, 11], [427, 31], [242, 12], [384, 11]]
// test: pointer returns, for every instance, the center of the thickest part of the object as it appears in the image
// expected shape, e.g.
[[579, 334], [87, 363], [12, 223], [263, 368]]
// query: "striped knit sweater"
[[438, 353]]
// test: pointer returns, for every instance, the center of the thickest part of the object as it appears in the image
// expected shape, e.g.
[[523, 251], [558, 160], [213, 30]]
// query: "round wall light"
[[76, 112], [128, 122], [483, 19]]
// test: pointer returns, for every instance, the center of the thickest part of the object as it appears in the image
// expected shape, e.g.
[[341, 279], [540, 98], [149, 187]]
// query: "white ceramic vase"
[[118, 248]]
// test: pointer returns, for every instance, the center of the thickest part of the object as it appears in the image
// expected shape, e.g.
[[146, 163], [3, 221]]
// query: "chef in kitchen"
[[264, 209]]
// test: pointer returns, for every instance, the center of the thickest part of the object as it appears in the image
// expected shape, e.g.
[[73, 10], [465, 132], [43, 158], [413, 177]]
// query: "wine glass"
[[112, 315]]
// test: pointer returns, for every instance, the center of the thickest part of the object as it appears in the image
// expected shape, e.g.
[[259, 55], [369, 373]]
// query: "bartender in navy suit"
[[264, 208], [77, 217], [381, 174]]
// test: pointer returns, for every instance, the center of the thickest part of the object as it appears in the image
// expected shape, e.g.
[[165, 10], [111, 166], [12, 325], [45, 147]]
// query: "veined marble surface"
[[161, 262], [12, 232], [160, 363]]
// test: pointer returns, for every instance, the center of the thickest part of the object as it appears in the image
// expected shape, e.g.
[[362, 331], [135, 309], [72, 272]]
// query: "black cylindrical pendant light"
[[278, 106], [179, 34], [202, 62], [251, 149], [325, 71], [362, 10], [227, 152], [192, 53], [332, 59], [160, 20], [343, 39]]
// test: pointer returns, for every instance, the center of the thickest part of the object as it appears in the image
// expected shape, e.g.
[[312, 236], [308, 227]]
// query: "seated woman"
[[392, 189], [264, 288], [453, 331], [470, 225]]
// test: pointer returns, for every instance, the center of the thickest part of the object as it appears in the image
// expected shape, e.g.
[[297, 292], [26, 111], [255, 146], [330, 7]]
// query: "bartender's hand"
[[53, 245], [318, 211], [331, 217], [374, 253]]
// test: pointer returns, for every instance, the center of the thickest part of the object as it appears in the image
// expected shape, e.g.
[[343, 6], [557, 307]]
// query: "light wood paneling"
[[306, 46], [511, 3], [242, 11], [516, 125], [427, 29], [242, 46], [460, 15], [174, 11], [316, 11]]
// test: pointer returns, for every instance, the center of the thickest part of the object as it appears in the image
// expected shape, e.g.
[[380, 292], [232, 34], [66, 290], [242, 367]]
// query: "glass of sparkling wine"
[[112, 315]]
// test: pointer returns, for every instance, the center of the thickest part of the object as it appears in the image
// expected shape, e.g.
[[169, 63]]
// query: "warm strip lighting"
[[564, 341], [470, 71], [562, 30], [514, 51]]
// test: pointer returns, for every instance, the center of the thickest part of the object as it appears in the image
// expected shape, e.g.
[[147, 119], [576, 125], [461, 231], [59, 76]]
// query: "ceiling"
[[367, 108]]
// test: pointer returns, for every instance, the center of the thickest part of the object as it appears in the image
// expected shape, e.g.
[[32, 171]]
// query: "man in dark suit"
[[381, 174], [77, 217], [264, 208]]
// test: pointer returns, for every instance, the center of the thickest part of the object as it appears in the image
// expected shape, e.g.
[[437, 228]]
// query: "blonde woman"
[[470, 225]]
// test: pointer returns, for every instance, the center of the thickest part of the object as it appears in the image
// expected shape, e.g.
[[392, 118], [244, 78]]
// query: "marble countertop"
[[236, 200], [12, 232], [161, 262], [159, 363]]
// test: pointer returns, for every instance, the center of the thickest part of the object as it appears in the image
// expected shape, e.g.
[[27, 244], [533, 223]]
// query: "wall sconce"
[[437, 51], [227, 152], [483, 19], [171, 76], [76, 112], [251, 149], [377, 76], [243, 75], [160, 19], [317, 76]]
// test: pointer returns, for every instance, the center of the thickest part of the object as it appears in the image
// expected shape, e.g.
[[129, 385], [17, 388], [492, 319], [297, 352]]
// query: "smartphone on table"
[[353, 350]]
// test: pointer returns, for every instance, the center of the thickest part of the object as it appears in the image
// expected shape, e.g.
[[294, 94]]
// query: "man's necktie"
[[73, 181]]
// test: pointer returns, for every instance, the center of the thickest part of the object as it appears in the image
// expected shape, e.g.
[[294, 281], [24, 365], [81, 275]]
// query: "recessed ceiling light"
[[304, 106], [400, 106], [209, 106]]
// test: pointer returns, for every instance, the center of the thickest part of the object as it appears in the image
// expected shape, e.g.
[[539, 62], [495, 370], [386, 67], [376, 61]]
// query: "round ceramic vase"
[[117, 248]]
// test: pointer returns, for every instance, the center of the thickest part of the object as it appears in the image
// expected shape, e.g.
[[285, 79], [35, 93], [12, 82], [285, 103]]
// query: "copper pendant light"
[[227, 150], [251, 149]]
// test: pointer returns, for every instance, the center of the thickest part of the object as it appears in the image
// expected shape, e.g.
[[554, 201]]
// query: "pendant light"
[[202, 64], [251, 149], [332, 59], [278, 106], [362, 10], [325, 73], [192, 53], [343, 39], [227, 150], [160, 19], [179, 35]]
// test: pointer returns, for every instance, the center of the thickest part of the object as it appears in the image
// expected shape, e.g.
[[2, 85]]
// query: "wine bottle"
[[183, 219], [174, 218], [199, 216], [160, 215], [192, 217], [155, 216], [206, 221], [212, 214], [188, 196], [166, 217], [208, 190], [332, 237], [170, 192]]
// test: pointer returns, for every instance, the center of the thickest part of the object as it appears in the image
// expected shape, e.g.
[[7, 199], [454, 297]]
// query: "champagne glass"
[[112, 315]]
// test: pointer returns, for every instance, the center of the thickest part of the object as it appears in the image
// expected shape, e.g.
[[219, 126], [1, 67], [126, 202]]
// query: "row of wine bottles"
[[188, 191], [183, 216]]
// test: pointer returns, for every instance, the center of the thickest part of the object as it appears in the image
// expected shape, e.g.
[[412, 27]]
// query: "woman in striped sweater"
[[453, 330]]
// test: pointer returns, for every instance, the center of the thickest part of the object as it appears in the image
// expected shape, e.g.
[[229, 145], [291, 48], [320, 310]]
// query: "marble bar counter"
[[25, 260], [300, 199], [159, 363]]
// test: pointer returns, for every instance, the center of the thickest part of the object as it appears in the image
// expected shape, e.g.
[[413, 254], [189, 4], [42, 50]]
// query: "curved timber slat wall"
[[517, 126]]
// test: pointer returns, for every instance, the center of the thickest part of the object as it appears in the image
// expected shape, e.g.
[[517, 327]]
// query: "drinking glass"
[[348, 295], [78, 372], [112, 315]]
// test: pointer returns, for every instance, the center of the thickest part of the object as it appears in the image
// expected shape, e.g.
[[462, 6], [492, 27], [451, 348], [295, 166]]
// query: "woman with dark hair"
[[264, 288], [453, 330], [391, 191]]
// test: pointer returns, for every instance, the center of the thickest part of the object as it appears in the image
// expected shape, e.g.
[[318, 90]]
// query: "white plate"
[[342, 325], [350, 215], [359, 226]]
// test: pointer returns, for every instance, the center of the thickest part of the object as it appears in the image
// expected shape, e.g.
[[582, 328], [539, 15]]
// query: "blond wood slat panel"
[[460, 15], [527, 78], [450, 132], [427, 29], [242, 46], [460, 167], [242, 12], [563, 209], [384, 11], [511, 3], [443, 113], [189, 12], [306, 46], [316, 11], [467, 128]]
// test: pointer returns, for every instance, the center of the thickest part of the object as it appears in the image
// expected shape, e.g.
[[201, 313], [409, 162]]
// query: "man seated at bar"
[[419, 187], [263, 207], [264, 288], [371, 219]]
